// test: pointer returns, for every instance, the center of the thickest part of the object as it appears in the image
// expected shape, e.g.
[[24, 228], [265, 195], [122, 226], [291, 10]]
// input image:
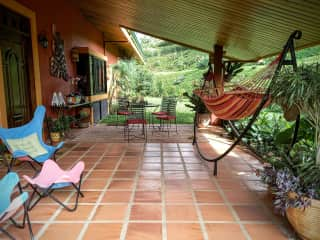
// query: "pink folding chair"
[[52, 177]]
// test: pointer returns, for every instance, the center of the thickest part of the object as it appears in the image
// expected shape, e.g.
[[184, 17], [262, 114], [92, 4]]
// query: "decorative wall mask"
[[58, 64]]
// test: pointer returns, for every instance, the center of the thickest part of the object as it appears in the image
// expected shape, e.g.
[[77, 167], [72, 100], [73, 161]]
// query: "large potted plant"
[[56, 129], [84, 118], [295, 178]]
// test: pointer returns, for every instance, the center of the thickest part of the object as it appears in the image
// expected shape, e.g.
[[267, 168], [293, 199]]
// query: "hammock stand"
[[289, 47]]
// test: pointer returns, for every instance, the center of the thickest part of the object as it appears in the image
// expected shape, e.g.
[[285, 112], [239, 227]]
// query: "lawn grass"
[[184, 114]]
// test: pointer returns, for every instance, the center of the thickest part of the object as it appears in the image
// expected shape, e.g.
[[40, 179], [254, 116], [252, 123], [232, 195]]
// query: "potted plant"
[[197, 105], [56, 129], [6, 155], [83, 118], [295, 182], [295, 178]]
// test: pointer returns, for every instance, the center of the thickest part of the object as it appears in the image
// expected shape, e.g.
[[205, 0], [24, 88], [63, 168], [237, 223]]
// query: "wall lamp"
[[43, 40]]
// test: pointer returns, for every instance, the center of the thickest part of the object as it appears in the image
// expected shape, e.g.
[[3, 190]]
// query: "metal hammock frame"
[[289, 47]]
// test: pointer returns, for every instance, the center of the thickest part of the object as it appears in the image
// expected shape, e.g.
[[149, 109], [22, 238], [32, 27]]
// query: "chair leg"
[[79, 193], [146, 133], [25, 219], [40, 196], [7, 234], [28, 222], [128, 132], [175, 122], [48, 193]]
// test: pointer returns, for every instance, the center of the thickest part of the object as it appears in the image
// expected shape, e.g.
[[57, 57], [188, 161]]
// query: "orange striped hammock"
[[239, 101]]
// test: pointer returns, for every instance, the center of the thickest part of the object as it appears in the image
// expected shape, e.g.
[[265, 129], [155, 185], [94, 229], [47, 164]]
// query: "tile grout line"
[[94, 209], [163, 197], [228, 204], [151, 221], [194, 200], [232, 210], [60, 208], [225, 199], [274, 221], [125, 224]]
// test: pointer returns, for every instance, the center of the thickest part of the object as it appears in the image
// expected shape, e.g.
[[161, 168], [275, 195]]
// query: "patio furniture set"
[[26, 145], [135, 115]]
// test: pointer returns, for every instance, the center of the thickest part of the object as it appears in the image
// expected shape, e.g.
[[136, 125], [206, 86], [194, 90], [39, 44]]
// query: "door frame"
[[28, 13]]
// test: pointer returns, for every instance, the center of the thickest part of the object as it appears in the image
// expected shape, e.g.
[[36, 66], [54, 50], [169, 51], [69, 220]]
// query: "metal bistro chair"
[[163, 108], [9, 207], [25, 142], [169, 118], [136, 118], [123, 108]]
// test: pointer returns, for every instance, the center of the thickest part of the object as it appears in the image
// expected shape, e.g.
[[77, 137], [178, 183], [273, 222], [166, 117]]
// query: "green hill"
[[177, 69]]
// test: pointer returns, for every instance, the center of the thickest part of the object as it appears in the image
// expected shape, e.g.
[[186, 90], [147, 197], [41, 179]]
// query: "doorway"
[[15, 45]]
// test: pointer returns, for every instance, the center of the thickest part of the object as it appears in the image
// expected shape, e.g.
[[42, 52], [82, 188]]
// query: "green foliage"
[[66, 121], [3, 148], [232, 70], [301, 163], [300, 89], [56, 125], [285, 135], [133, 79], [196, 104], [174, 67]]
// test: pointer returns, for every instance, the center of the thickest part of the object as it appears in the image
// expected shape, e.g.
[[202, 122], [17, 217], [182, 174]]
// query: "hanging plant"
[[300, 90]]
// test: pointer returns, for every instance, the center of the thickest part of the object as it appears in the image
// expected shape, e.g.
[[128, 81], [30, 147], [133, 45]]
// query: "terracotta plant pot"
[[203, 120], [306, 222], [290, 113], [55, 136], [84, 124]]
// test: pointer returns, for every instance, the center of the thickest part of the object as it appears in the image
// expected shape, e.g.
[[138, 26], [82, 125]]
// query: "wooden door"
[[15, 45]]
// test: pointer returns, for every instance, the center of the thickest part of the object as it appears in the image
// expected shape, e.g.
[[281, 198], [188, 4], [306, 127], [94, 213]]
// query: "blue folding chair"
[[8, 207], [26, 143]]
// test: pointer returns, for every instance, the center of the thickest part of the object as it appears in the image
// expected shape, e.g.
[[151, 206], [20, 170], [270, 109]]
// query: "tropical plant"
[[196, 104], [66, 121], [294, 179], [301, 89], [83, 116], [55, 125]]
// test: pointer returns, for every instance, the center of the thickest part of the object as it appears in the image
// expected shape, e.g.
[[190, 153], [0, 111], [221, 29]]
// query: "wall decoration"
[[58, 64]]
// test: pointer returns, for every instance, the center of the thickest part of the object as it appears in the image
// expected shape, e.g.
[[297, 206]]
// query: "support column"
[[218, 67]]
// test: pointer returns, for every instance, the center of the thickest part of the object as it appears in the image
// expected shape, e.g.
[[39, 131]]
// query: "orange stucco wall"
[[74, 29]]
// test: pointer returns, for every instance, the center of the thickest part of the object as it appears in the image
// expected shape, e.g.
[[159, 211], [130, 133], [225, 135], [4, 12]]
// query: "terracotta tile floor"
[[159, 191]]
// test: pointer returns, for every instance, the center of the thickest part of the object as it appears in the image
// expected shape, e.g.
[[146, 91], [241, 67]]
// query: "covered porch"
[[159, 188], [159, 191]]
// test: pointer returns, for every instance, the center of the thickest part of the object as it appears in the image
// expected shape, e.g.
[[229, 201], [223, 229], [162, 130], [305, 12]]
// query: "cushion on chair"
[[166, 117], [159, 113], [136, 121], [29, 144]]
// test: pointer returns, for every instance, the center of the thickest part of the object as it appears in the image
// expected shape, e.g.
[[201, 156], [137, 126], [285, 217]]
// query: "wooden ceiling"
[[247, 29]]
